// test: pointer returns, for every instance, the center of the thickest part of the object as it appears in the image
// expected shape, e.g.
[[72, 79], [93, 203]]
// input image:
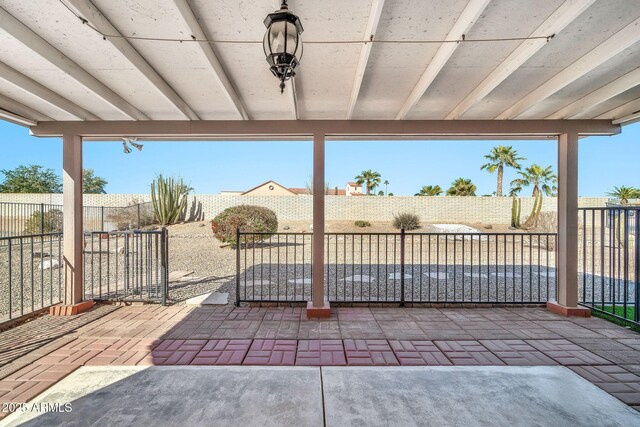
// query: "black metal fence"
[[127, 266], [510, 268], [17, 219], [30, 274], [610, 261]]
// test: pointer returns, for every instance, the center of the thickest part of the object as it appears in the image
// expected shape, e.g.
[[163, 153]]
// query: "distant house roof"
[[299, 190], [354, 184], [265, 183], [330, 191]]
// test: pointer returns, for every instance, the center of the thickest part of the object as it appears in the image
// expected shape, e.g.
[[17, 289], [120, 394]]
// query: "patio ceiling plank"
[[615, 44], [47, 51], [96, 18], [621, 111], [16, 118], [466, 20], [598, 96], [293, 98], [563, 16], [13, 106], [189, 17], [36, 89], [631, 118], [369, 35]]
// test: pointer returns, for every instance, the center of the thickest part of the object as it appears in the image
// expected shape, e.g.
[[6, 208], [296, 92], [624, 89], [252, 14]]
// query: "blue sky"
[[214, 166]]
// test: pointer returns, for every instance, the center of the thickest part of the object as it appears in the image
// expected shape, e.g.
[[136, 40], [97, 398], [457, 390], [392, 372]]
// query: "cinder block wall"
[[340, 208]]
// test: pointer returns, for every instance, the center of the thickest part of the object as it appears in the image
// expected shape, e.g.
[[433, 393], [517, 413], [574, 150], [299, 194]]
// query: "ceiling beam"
[[34, 88], [94, 16], [627, 120], [464, 22], [361, 68], [44, 49], [615, 44], [274, 129], [598, 96], [13, 106], [556, 22], [16, 119], [219, 73], [630, 107]]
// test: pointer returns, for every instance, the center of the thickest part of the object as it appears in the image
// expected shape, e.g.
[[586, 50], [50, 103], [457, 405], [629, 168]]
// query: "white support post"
[[567, 274], [318, 306], [72, 225]]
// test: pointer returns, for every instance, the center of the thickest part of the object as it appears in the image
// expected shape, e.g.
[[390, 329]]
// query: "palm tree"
[[500, 157], [462, 187], [370, 178], [386, 186], [542, 179], [624, 193], [430, 190]]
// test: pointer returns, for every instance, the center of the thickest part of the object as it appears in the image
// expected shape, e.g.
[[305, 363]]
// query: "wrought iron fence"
[[510, 268], [17, 219], [610, 261], [30, 274], [127, 266]]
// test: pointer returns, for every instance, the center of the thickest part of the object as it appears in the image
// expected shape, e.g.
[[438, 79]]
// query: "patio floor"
[[601, 352]]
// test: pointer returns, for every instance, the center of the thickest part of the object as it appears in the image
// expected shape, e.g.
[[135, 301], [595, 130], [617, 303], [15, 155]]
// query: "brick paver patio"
[[605, 354]]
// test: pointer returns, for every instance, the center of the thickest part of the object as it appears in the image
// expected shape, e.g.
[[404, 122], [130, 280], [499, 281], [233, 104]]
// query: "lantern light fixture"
[[282, 43]]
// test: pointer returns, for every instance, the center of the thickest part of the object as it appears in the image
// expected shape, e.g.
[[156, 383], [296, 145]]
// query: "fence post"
[[164, 271], [636, 220], [238, 267], [41, 218], [138, 205], [402, 239], [102, 218]]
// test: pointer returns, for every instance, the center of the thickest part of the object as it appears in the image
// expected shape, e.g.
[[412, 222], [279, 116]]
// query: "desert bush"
[[408, 221], [126, 217], [547, 223], [362, 224], [250, 219], [50, 222]]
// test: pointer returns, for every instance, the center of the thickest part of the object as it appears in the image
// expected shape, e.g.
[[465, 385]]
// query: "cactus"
[[516, 206], [169, 199]]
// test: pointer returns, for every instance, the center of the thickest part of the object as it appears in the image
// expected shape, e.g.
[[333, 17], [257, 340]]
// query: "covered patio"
[[125, 70]]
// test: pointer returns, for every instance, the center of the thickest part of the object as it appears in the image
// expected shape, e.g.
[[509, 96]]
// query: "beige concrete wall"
[[291, 208]]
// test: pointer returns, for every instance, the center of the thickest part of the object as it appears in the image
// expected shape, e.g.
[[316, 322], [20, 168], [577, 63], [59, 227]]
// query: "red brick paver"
[[416, 353], [369, 352], [614, 380], [222, 352], [468, 353], [566, 353], [320, 353], [272, 352]]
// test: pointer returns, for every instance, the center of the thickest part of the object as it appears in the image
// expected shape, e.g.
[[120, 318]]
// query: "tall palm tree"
[[462, 187], [386, 186], [624, 193], [500, 157], [370, 179], [542, 179], [430, 190]]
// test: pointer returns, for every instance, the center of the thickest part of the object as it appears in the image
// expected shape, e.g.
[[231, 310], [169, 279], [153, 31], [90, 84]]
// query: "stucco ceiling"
[[54, 67]]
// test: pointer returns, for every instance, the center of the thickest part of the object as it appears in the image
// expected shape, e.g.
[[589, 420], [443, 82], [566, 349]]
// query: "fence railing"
[[610, 261], [127, 266], [18, 219], [510, 268], [30, 274]]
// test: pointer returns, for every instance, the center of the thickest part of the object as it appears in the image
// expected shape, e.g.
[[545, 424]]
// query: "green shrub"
[[51, 222], [408, 221], [362, 224], [250, 219]]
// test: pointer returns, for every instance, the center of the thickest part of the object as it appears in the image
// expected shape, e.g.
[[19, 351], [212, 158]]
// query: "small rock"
[[286, 227], [201, 225], [311, 227], [488, 226], [41, 255], [512, 228], [46, 264]]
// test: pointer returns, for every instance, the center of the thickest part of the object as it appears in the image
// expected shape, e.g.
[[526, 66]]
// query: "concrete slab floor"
[[357, 396]]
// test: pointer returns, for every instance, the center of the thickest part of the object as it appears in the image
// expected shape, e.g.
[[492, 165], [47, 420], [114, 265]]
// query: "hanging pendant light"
[[282, 43]]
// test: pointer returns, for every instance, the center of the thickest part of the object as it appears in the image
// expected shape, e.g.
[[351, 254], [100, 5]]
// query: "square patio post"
[[567, 254], [318, 306], [72, 228]]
